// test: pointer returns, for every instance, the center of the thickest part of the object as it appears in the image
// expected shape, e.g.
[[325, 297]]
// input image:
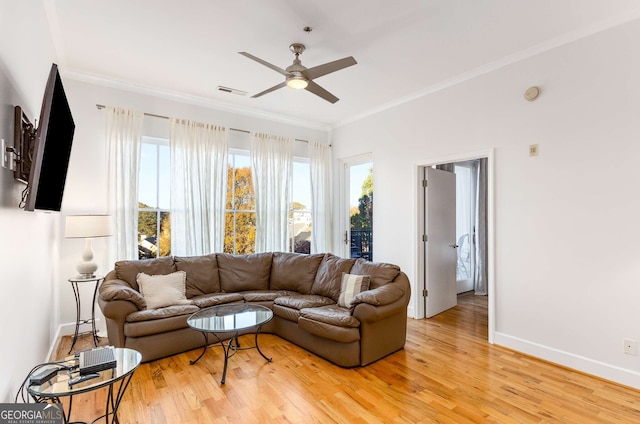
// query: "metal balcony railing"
[[362, 244]]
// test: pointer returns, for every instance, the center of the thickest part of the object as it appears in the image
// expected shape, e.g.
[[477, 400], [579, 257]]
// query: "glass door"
[[358, 236]]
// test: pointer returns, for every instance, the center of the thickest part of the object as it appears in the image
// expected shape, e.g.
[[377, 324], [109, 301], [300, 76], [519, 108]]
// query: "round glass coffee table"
[[225, 319]]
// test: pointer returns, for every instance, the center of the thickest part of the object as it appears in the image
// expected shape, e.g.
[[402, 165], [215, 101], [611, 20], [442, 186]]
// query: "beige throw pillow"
[[351, 286], [163, 290]]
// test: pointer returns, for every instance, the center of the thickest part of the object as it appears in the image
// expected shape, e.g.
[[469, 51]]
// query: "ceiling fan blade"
[[319, 91], [327, 68], [267, 64], [269, 90]]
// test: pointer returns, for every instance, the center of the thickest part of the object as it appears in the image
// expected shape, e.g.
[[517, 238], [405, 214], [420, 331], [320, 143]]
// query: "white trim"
[[603, 370], [417, 305]]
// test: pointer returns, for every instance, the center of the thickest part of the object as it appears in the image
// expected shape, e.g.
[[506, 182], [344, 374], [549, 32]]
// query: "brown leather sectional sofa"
[[302, 290]]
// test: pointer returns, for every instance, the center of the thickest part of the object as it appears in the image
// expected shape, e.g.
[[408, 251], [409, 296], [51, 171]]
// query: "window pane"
[[147, 187], [244, 240], [244, 197], [300, 219], [147, 240], [165, 234], [164, 177], [301, 229], [361, 210]]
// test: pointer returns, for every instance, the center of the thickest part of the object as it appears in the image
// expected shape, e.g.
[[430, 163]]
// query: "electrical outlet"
[[630, 347]]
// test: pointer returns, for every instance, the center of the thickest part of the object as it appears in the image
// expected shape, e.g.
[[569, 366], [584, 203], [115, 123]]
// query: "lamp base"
[[86, 276], [87, 268]]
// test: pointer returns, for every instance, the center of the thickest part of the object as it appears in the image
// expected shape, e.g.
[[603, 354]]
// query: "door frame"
[[418, 300]]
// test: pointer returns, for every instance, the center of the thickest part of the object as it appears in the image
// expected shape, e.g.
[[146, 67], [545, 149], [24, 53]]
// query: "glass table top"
[[127, 360], [234, 317]]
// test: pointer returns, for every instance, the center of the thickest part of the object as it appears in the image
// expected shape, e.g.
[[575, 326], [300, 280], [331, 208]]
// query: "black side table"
[[74, 285]]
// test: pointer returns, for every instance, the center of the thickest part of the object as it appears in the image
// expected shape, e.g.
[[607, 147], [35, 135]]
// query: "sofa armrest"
[[382, 302], [112, 290], [380, 296]]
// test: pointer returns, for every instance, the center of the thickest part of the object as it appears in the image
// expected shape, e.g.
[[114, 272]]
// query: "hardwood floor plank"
[[447, 373]]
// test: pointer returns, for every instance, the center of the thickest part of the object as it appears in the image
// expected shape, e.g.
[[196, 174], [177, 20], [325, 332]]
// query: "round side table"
[[96, 279]]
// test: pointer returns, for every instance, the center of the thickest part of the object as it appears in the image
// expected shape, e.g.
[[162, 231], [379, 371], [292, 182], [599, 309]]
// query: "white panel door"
[[440, 246]]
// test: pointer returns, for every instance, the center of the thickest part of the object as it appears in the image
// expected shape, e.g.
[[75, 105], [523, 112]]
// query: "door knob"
[[454, 246]]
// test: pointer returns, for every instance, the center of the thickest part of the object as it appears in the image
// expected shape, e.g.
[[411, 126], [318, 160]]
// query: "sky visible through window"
[[357, 175], [154, 156]]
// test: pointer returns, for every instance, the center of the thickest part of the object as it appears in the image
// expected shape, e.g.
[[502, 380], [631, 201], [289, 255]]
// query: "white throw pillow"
[[351, 286], [163, 290]]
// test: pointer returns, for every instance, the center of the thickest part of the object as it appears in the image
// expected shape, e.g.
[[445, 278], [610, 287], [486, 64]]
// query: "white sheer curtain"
[[123, 136], [271, 166], [320, 166], [198, 187]]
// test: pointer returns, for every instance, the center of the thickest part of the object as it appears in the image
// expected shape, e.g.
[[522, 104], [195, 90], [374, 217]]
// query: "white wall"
[[28, 240], [567, 256]]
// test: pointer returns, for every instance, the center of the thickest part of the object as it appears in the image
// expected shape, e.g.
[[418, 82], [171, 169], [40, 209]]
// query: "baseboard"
[[579, 363], [68, 329]]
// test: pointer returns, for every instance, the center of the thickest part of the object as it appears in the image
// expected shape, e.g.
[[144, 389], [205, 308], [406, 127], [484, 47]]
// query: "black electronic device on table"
[[95, 360]]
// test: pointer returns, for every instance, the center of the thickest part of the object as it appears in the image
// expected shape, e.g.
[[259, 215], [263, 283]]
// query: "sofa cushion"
[[329, 276], [351, 286], [129, 270], [294, 271], [160, 313], [332, 314], [286, 313], [302, 301], [329, 331], [202, 274], [163, 290], [212, 299], [264, 295], [244, 272], [380, 273], [148, 323]]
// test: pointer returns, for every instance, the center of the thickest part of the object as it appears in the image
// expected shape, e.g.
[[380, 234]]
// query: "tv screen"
[[52, 148]]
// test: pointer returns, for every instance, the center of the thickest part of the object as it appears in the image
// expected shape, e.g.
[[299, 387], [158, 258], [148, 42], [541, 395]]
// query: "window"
[[240, 214], [300, 218], [154, 218], [154, 222]]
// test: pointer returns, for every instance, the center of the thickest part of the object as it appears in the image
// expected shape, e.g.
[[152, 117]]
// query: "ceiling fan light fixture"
[[297, 82]]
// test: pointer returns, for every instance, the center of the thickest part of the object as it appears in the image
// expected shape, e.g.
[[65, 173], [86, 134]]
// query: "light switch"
[[533, 150]]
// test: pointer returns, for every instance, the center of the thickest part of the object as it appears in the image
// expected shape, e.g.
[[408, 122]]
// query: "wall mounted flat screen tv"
[[51, 149]]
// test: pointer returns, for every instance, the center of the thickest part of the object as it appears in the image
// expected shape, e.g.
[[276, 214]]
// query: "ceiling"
[[185, 49]]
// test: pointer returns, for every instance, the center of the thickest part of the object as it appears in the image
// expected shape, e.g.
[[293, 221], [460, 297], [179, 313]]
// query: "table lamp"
[[87, 227]]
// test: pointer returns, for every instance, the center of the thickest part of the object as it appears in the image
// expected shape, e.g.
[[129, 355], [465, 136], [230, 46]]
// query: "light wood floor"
[[447, 373]]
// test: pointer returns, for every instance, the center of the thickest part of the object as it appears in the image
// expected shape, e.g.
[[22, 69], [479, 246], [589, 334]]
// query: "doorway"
[[472, 239], [358, 233]]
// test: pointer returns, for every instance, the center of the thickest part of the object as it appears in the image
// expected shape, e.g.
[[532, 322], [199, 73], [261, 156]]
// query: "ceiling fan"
[[299, 77]]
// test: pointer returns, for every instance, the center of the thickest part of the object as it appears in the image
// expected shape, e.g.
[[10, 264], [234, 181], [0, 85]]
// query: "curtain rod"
[[153, 115]]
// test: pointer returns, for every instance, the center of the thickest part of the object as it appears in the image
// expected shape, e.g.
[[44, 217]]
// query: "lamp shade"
[[87, 226]]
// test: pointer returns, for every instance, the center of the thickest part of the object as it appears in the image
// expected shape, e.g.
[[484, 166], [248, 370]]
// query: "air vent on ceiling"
[[231, 90]]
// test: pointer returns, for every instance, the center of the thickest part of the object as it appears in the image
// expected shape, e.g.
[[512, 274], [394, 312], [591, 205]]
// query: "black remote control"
[[81, 378]]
